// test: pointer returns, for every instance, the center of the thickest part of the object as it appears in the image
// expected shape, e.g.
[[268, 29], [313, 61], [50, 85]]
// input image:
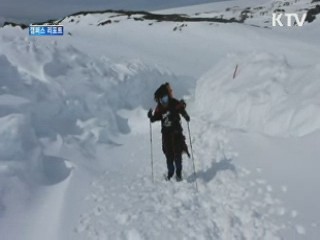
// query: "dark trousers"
[[172, 148], [174, 162]]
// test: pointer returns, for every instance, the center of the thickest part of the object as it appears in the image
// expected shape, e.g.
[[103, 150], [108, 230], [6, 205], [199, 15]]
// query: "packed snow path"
[[229, 204]]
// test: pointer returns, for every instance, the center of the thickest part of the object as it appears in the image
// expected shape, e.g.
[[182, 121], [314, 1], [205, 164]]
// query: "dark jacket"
[[173, 140], [170, 116]]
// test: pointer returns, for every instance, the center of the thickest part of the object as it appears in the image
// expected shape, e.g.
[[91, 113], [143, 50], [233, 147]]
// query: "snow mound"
[[47, 80], [267, 95], [17, 138], [20, 163], [61, 91], [57, 98]]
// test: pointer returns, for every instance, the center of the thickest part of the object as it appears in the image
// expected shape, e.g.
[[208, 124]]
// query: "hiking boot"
[[178, 178], [167, 177]]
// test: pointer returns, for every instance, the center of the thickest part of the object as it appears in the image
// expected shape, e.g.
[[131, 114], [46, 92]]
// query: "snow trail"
[[228, 205]]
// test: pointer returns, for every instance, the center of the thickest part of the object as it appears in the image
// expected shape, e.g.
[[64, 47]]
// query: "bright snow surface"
[[74, 136]]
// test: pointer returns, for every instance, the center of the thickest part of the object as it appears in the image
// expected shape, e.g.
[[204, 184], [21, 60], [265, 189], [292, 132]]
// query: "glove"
[[150, 113], [183, 102]]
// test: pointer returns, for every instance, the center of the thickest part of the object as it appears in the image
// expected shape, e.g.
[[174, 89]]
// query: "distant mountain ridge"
[[259, 15]]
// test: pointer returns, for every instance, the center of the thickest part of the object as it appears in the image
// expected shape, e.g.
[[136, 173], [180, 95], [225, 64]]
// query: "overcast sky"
[[29, 11]]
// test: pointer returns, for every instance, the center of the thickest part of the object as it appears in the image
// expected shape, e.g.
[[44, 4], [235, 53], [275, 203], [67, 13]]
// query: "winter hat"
[[164, 89]]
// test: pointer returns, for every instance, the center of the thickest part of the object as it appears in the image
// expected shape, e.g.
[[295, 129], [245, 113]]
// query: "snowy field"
[[74, 135]]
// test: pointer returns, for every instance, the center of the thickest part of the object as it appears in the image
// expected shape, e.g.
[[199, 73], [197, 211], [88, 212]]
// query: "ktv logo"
[[288, 19]]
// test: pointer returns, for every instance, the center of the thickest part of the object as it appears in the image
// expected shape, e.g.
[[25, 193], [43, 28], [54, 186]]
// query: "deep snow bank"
[[20, 164], [70, 93], [52, 95], [267, 95]]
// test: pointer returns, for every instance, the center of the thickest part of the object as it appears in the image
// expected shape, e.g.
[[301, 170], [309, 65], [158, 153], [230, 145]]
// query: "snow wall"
[[54, 94], [267, 95]]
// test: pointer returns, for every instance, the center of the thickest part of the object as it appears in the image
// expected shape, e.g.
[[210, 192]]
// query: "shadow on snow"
[[208, 174]]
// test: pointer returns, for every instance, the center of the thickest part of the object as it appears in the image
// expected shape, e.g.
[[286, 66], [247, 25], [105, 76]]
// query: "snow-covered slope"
[[74, 137], [256, 13], [268, 95]]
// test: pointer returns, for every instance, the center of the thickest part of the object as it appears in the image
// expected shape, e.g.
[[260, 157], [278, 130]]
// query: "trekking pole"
[[194, 168], [151, 152]]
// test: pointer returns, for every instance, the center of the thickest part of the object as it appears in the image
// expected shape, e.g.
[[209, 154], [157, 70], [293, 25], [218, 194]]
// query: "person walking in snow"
[[168, 111]]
